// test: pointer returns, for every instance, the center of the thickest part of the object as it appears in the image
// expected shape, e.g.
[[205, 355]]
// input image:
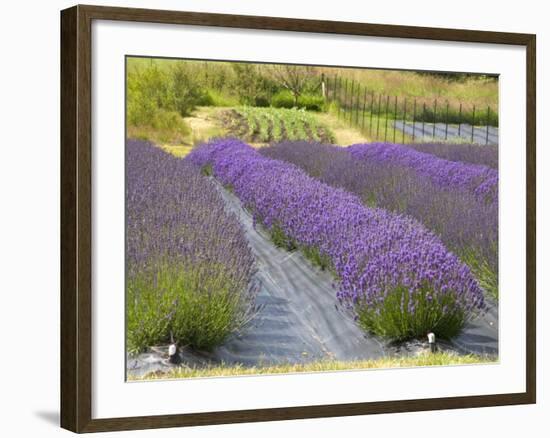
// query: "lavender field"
[[467, 153], [458, 201], [188, 263], [388, 244], [269, 230], [398, 276]]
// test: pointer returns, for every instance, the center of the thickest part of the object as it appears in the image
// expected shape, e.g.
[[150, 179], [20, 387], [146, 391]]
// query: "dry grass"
[[344, 134], [179, 151], [347, 135], [472, 91], [160, 136], [475, 90], [421, 360], [200, 127], [204, 124]]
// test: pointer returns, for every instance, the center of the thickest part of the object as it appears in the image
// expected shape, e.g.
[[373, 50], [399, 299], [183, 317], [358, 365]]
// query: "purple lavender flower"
[[173, 212], [480, 180], [373, 252], [466, 224], [467, 153], [184, 251]]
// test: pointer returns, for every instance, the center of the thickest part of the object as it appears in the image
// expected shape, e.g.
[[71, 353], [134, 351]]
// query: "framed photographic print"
[[268, 218]]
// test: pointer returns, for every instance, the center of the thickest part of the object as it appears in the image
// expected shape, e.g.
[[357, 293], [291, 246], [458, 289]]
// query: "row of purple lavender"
[[444, 196], [397, 275], [463, 152], [188, 262], [451, 175]]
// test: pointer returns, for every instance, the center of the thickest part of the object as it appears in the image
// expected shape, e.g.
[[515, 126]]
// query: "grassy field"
[[209, 122], [181, 103], [478, 90], [424, 359], [266, 125], [372, 129], [344, 134], [178, 105]]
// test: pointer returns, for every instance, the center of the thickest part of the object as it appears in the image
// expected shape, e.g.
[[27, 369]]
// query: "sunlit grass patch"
[[179, 151], [188, 264], [198, 305], [226, 370], [402, 315], [162, 127]]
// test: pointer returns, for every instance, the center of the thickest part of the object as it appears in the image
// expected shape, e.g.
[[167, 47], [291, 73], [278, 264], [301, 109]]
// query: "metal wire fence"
[[402, 119]]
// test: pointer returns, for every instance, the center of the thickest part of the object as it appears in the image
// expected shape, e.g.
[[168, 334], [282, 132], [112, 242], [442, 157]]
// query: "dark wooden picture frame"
[[76, 218]]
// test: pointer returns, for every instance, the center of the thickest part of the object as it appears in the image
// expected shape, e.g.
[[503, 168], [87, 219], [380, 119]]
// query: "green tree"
[[295, 78], [251, 86]]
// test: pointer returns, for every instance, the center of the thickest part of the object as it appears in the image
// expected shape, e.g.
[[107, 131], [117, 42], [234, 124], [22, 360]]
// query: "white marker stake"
[[172, 349], [172, 353], [431, 341]]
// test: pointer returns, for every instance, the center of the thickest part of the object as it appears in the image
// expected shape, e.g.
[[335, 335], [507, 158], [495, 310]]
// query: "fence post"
[[423, 119], [339, 95], [353, 105], [353, 95], [487, 127], [357, 102], [342, 106], [364, 108], [414, 120], [336, 93], [404, 120], [386, 124], [394, 117], [371, 111], [378, 118], [459, 118], [435, 119], [473, 121], [350, 106], [447, 121], [323, 86], [357, 106]]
